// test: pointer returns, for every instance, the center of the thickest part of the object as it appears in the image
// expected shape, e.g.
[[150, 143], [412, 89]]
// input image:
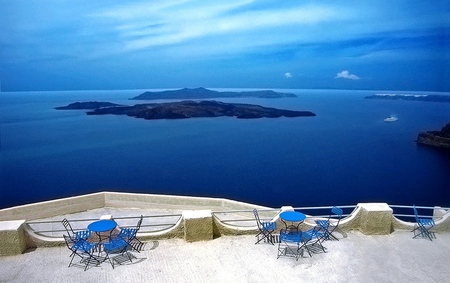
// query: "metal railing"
[[405, 212], [150, 223], [245, 218], [237, 218]]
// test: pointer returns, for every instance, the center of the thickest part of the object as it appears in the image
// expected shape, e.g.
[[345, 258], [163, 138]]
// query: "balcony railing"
[[245, 218], [234, 218], [150, 223], [405, 212]]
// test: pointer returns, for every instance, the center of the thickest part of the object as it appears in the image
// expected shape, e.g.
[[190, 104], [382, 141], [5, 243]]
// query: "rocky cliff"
[[438, 139]]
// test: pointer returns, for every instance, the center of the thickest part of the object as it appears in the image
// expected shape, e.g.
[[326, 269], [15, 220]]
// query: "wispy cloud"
[[346, 75], [304, 37], [145, 26]]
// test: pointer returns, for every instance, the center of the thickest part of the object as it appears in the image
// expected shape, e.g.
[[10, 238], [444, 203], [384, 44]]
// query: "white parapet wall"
[[81, 203], [198, 225], [199, 219], [70, 205], [131, 200], [12, 237], [51, 208], [376, 218]]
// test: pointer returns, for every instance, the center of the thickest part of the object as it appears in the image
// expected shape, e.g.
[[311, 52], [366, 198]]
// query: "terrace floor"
[[354, 258]]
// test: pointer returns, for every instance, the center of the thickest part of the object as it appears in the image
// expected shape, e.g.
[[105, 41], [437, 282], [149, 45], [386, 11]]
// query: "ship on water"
[[391, 119]]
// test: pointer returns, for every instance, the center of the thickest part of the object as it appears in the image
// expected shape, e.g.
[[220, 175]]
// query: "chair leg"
[[129, 256], [265, 235], [332, 236], [422, 231], [329, 233], [427, 232], [304, 246], [270, 238], [72, 256], [288, 249], [320, 244], [257, 237]]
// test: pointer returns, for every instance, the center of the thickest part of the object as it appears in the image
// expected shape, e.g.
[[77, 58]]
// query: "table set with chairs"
[[102, 241], [292, 241]]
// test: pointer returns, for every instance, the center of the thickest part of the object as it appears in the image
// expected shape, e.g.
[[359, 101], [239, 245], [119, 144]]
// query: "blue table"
[[102, 226], [293, 217]]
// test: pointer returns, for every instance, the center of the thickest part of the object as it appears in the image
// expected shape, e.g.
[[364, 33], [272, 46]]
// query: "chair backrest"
[[69, 242], [416, 215], [337, 211], [315, 235], [117, 245], [138, 226], [288, 236], [68, 227], [258, 221]]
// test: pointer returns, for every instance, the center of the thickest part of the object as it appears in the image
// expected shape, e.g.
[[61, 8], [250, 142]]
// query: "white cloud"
[[346, 75], [288, 75], [175, 22]]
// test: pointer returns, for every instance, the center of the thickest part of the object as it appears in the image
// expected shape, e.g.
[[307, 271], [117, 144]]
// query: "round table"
[[102, 226], [292, 216]]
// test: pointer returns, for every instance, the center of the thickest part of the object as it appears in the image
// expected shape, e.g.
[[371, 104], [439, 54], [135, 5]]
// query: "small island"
[[438, 139], [187, 109], [203, 93], [86, 105], [411, 97]]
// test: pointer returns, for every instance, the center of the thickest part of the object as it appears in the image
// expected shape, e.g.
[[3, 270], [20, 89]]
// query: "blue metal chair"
[[312, 240], [129, 235], [265, 229], [75, 236], [422, 226], [293, 244], [117, 251], [328, 226], [289, 244], [84, 250]]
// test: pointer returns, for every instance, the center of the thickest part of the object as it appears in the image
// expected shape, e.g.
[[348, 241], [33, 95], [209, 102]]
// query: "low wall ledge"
[[13, 237]]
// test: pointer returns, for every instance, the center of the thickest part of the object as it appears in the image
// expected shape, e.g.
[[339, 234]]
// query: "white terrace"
[[373, 246]]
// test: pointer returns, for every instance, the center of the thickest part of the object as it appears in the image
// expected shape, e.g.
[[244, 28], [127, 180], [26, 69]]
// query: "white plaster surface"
[[354, 258], [11, 225]]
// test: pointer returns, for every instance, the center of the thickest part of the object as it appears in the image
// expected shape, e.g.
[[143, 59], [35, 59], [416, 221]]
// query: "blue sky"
[[84, 44]]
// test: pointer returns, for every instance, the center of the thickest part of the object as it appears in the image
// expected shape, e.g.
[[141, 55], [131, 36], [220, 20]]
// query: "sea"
[[345, 155]]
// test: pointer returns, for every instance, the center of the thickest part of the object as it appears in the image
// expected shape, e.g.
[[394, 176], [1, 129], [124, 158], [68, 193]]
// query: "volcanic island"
[[191, 108]]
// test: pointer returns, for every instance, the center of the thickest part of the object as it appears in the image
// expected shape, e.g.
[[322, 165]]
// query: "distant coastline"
[[86, 105], [411, 97], [203, 93]]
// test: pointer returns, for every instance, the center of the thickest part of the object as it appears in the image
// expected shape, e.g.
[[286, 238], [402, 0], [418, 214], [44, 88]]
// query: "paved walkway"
[[354, 258]]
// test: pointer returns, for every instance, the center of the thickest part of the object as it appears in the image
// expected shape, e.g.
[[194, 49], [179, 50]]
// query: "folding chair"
[[289, 244], [117, 251], [422, 226], [312, 240], [265, 229], [84, 250], [129, 235], [328, 226], [84, 234]]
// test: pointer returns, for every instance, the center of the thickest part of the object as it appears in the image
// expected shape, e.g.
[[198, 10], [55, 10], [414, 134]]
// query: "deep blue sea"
[[345, 155]]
